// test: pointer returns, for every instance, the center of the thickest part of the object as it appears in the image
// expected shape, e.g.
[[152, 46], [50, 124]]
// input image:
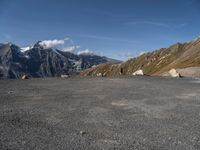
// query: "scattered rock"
[[138, 73], [82, 132], [173, 73], [64, 76], [10, 92], [104, 75], [99, 74], [24, 77], [121, 71]]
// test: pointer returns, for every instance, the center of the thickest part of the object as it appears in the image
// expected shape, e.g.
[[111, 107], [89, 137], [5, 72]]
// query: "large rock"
[[138, 73], [173, 73], [64, 76], [99, 75], [24, 77]]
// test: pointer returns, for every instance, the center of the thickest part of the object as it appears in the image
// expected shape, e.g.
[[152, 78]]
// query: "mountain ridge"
[[43, 62], [158, 62]]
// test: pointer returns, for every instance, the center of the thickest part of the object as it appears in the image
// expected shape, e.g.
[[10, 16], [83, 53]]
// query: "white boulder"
[[99, 74], [64, 76], [173, 73], [138, 73], [24, 77]]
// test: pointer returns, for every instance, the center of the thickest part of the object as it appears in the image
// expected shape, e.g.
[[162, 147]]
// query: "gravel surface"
[[147, 113]]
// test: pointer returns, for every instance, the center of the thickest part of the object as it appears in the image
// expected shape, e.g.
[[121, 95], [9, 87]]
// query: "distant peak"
[[31, 46], [38, 45], [8, 43]]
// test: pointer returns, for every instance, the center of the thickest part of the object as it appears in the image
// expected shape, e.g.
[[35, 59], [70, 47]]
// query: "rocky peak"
[[38, 45]]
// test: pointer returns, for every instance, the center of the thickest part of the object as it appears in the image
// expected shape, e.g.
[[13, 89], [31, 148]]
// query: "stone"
[[173, 73], [64, 76], [138, 73], [24, 77], [10, 92], [82, 132], [99, 74]]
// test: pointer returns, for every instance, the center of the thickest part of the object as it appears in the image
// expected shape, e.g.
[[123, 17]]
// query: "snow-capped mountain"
[[39, 61]]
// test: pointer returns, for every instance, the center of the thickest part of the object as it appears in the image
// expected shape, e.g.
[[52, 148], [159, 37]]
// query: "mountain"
[[94, 60], [12, 61], [179, 56], [37, 61]]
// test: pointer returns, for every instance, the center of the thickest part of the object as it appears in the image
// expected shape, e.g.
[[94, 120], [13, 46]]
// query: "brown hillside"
[[180, 55]]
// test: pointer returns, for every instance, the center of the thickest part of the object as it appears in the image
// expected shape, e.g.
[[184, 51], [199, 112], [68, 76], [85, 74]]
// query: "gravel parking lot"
[[147, 113]]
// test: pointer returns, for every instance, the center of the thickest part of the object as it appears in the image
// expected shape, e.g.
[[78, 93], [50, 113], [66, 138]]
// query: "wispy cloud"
[[158, 24], [71, 48], [109, 14], [7, 36], [126, 55], [105, 38], [85, 52], [149, 23]]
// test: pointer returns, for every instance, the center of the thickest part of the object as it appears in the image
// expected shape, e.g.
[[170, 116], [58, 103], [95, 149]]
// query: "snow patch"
[[24, 49]]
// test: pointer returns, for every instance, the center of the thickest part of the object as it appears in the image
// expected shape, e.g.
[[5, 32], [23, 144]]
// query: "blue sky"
[[115, 28]]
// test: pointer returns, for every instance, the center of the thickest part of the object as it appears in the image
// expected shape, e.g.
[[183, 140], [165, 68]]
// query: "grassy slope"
[[154, 63]]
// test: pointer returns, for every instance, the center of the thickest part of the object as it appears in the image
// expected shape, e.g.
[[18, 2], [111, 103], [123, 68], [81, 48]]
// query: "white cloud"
[[66, 44], [52, 43], [85, 52]]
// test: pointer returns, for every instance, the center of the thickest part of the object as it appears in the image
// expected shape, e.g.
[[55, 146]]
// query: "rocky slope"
[[178, 56], [41, 62]]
